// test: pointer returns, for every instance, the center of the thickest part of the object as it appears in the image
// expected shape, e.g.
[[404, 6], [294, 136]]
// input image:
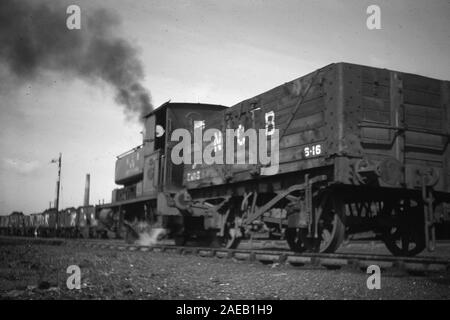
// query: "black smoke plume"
[[34, 38]]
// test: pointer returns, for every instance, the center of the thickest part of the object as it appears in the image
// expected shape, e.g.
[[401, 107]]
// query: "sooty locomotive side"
[[357, 149]]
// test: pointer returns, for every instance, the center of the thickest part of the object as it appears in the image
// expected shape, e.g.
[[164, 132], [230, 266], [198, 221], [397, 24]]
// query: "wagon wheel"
[[331, 231], [406, 237]]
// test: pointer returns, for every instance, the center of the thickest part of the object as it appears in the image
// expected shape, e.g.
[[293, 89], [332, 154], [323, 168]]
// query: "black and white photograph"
[[224, 155]]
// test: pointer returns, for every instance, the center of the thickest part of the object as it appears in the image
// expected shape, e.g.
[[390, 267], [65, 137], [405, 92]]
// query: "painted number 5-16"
[[313, 151]]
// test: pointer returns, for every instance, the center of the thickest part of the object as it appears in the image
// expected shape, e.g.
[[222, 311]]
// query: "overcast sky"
[[196, 51]]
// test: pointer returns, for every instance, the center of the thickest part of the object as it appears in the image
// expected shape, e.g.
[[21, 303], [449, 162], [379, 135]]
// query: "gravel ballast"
[[38, 271]]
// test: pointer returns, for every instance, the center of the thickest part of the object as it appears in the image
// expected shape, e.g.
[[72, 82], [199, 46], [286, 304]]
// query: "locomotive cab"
[[159, 172]]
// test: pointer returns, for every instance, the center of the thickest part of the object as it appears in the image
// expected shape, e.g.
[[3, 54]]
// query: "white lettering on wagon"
[[259, 151], [312, 151]]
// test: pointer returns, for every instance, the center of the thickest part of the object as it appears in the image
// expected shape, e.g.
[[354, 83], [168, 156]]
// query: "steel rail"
[[325, 260]]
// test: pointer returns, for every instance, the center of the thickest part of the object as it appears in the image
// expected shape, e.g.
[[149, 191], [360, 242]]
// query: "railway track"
[[329, 261]]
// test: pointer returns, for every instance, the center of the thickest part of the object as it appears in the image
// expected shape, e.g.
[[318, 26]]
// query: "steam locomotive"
[[357, 149]]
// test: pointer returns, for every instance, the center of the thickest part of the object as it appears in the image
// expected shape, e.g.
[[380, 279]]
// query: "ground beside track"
[[38, 271]]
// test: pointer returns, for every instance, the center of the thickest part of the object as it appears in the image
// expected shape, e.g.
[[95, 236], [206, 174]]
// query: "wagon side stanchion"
[[429, 219]]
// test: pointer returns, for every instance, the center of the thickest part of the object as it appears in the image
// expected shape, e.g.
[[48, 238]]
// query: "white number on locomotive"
[[192, 176]]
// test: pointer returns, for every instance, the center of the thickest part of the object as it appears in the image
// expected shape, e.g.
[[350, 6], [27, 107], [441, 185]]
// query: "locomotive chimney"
[[86, 189]]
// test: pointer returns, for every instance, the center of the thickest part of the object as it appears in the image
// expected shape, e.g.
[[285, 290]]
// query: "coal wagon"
[[350, 149]]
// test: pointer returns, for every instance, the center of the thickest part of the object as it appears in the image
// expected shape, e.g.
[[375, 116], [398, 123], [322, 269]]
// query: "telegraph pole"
[[58, 184]]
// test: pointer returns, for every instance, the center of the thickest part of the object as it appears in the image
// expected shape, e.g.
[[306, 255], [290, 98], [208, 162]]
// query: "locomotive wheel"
[[331, 232], [406, 237]]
